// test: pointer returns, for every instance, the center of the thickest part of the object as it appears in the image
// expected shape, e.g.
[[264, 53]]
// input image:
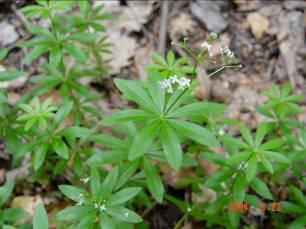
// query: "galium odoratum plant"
[[165, 105], [104, 200]]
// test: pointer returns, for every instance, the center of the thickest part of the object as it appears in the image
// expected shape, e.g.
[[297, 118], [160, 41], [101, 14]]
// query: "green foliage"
[[105, 200], [9, 216], [165, 126]]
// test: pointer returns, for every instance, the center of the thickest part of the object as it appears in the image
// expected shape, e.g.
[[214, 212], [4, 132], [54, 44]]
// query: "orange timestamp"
[[263, 206]]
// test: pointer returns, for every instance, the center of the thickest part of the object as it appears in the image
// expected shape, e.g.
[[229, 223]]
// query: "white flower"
[[174, 79], [102, 207], [206, 45], [221, 132], [228, 52], [81, 201], [85, 180], [96, 205], [126, 214], [189, 209], [172, 43], [185, 39], [183, 83], [166, 84]]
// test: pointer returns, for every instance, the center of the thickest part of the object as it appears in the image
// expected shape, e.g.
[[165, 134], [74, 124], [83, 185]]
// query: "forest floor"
[[267, 37]]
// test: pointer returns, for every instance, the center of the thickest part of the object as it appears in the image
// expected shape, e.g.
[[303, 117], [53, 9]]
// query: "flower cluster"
[[98, 202], [228, 52], [182, 83]]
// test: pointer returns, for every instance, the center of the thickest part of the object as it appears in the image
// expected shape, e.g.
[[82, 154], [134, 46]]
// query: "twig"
[[163, 28]]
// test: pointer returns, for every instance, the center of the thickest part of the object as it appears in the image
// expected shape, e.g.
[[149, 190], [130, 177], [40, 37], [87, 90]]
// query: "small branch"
[[163, 27]]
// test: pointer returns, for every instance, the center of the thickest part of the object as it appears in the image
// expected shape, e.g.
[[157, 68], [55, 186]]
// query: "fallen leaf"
[[258, 24]]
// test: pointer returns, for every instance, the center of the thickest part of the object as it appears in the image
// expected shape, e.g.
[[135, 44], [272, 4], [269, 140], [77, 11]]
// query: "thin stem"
[[183, 92], [178, 224]]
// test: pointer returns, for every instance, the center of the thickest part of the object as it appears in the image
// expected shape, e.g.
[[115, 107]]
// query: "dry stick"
[[163, 28]]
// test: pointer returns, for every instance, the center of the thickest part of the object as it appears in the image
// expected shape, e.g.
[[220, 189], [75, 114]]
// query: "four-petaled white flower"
[[168, 84], [184, 83], [174, 79], [206, 45], [228, 52], [102, 207], [221, 132], [85, 180], [96, 205], [126, 214]]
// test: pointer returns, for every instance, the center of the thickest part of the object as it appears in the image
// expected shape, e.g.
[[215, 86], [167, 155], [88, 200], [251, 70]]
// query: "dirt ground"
[[267, 37]]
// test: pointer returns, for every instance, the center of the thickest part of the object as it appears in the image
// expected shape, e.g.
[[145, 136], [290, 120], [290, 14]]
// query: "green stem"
[[179, 223]]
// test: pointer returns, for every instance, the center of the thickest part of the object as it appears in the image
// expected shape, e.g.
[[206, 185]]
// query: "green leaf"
[[3, 53], [75, 132], [154, 182], [267, 164], [5, 191], [251, 169], [238, 157], [62, 112], [82, 37], [71, 192], [10, 75], [159, 60], [215, 158], [13, 214], [272, 144], [156, 92], [126, 115], [40, 217], [106, 157], [276, 157], [95, 184], [170, 57], [218, 177], [129, 170], [55, 56], [246, 134], [39, 30], [171, 146], [143, 140], [35, 53], [239, 189], [40, 155], [260, 188], [106, 222], [110, 182], [133, 91], [298, 195], [123, 196], [299, 222], [83, 6], [260, 133], [292, 208], [124, 214], [60, 148], [195, 132], [74, 213], [76, 52], [198, 109], [107, 140], [234, 141]]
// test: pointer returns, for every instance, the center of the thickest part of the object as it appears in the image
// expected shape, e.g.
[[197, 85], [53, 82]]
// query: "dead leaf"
[[123, 50], [258, 24], [183, 24], [8, 34], [26, 203]]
